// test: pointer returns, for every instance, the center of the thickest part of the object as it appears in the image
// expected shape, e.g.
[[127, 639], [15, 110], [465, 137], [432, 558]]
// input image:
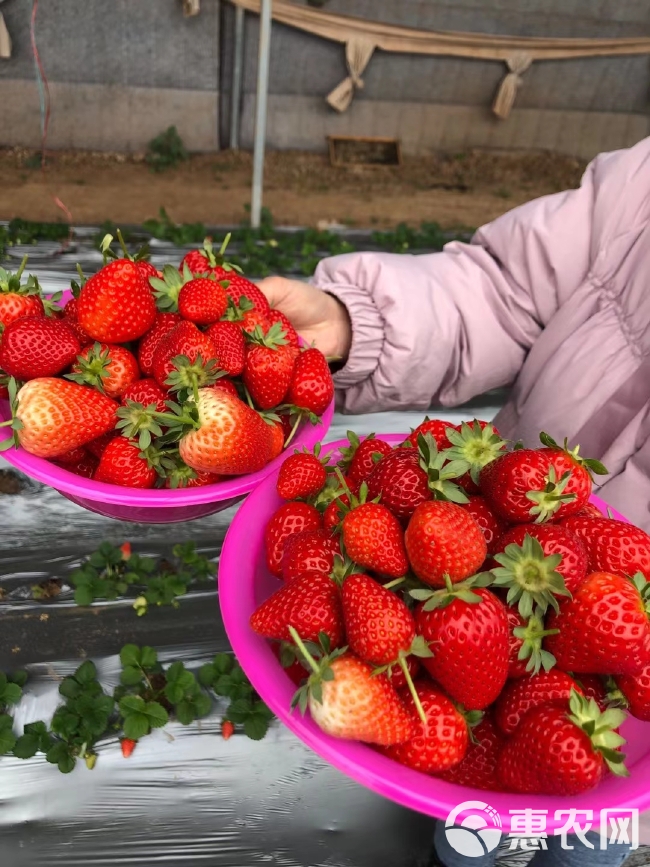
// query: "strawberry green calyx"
[[14, 422], [613, 697], [600, 726], [13, 282], [189, 376], [590, 464], [138, 422], [276, 336], [75, 287], [532, 577], [532, 636], [464, 590], [355, 499], [318, 659], [50, 302], [142, 254], [93, 367], [548, 501], [343, 568], [472, 719], [218, 259], [441, 471], [642, 585], [348, 452], [167, 289], [477, 446], [174, 470]]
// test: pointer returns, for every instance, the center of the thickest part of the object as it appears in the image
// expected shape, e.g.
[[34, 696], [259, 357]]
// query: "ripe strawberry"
[[227, 729], [558, 753], [469, 638], [335, 512], [122, 463], [269, 368], [72, 319], [490, 524], [240, 287], [360, 458], [478, 769], [229, 346], [231, 438], [554, 540], [18, 299], [301, 476], [73, 456], [85, 466], [636, 690], [202, 300], [350, 702], [603, 690], [604, 628], [4, 385], [442, 539], [116, 304], [128, 745], [97, 446], [589, 511], [185, 477], [277, 434], [400, 482], [35, 346], [527, 655], [396, 675], [612, 546], [521, 696], [277, 316], [184, 339], [148, 343], [440, 742], [58, 415], [111, 369], [310, 604], [288, 520], [373, 538], [146, 392], [146, 269], [227, 385], [312, 387], [434, 426], [378, 624], [309, 551]]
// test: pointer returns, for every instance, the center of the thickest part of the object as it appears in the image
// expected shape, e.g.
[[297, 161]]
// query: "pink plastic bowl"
[[152, 506], [244, 583]]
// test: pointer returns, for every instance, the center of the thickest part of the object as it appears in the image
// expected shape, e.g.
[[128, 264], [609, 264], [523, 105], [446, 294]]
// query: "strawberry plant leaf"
[[10, 693], [256, 727], [19, 678], [86, 672], [136, 726], [131, 676], [61, 755], [7, 737]]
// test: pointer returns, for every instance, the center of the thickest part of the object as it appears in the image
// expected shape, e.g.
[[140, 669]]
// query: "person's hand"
[[319, 318]]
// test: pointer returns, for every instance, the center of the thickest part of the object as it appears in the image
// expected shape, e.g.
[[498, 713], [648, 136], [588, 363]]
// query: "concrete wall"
[[120, 72], [579, 107]]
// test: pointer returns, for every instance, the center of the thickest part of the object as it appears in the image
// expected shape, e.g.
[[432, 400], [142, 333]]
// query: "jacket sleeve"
[[442, 328]]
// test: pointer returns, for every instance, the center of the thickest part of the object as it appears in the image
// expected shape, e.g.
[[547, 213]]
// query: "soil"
[[462, 189], [10, 483]]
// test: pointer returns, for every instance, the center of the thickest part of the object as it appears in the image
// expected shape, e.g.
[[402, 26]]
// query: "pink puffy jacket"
[[553, 297]]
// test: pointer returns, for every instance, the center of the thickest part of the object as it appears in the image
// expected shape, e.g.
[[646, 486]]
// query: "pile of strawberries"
[[147, 379], [462, 606]]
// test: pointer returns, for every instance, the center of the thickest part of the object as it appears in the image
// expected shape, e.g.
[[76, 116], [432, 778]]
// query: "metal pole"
[[260, 112], [238, 64]]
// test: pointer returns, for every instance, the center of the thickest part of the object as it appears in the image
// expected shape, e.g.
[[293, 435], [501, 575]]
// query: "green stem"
[[294, 429], [412, 690], [394, 583], [301, 647], [19, 272], [9, 421]]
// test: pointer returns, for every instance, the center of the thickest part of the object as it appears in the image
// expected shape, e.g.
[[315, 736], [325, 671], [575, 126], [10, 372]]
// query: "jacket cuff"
[[367, 334]]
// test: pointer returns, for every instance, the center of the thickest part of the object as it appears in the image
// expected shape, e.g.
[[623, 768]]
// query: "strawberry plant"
[[226, 678]]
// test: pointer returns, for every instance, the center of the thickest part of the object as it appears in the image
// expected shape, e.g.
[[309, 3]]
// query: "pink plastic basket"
[[244, 583], [152, 506]]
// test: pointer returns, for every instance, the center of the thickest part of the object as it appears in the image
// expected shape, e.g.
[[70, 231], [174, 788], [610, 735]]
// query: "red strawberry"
[[291, 661], [147, 346], [491, 525], [636, 690], [34, 346], [18, 299], [360, 458], [146, 269], [186, 477], [604, 628], [351, 703], [612, 546], [434, 426], [288, 520], [478, 769], [526, 638], [277, 436], [128, 745], [521, 696], [72, 319], [301, 476], [309, 551], [589, 511], [202, 301], [229, 346], [373, 538], [277, 316], [335, 512], [229, 387], [146, 392], [73, 456], [239, 287], [396, 675], [400, 482], [84, 467], [231, 438], [184, 339], [311, 604], [438, 743], [554, 540], [558, 753], [58, 415], [312, 387], [121, 464], [111, 369], [116, 304], [227, 729], [4, 385], [469, 638], [269, 369], [603, 690], [97, 446], [443, 539]]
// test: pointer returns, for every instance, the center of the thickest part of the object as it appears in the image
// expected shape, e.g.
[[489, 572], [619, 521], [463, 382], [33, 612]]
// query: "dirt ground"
[[463, 189]]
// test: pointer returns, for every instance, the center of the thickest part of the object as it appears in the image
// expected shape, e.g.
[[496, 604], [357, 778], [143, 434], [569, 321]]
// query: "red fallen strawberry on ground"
[[462, 606], [155, 379]]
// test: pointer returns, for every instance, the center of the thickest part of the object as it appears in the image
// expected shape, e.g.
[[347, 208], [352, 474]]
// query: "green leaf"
[[256, 726], [86, 672], [207, 674], [149, 657], [240, 710], [131, 676], [136, 726], [7, 737], [26, 746], [131, 704], [69, 688], [19, 678], [202, 705], [10, 694], [130, 655], [184, 711], [174, 692], [157, 714], [61, 755], [65, 722]]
